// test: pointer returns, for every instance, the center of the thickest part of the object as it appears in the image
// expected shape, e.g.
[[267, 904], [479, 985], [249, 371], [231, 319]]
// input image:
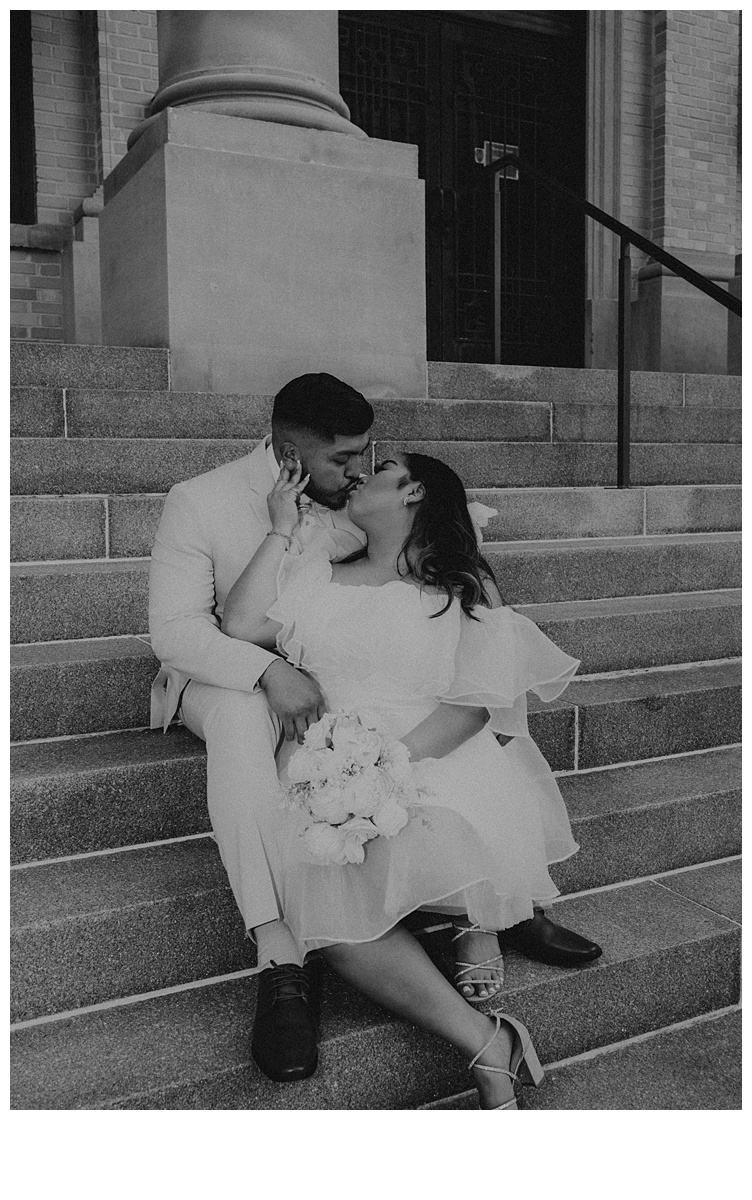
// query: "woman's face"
[[381, 494]]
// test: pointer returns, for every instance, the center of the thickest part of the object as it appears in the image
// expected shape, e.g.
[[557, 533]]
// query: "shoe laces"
[[286, 982]]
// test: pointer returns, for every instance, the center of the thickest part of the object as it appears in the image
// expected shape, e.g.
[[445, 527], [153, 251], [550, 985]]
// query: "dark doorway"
[[449, 84], [23, 201]]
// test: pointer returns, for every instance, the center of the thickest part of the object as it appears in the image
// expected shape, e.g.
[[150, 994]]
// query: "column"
[[252, 228]]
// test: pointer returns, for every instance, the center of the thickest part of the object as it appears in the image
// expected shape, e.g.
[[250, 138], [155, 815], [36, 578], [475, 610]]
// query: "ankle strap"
[[481, 1066]]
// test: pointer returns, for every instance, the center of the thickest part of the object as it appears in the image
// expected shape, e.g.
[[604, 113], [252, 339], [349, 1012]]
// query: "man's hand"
[[293, 696]]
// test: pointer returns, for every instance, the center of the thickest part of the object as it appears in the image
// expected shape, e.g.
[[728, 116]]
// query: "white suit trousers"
[[241, 734]]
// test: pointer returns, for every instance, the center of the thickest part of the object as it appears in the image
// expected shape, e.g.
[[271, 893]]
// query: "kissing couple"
[[288, 585]]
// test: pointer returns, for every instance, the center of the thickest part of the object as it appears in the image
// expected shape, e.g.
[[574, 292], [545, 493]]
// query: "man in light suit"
[[237, 697]]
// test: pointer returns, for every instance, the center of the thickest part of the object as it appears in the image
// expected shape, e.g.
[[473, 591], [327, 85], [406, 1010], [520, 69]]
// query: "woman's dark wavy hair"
[[441, 549]]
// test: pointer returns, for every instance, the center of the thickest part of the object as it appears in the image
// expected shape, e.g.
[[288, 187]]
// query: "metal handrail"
[[628, 237]]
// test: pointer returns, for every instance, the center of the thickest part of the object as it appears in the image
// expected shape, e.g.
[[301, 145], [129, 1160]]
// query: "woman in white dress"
[[413, 631]]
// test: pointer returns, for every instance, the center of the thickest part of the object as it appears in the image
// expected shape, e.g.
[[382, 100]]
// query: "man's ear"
[[289, 454]]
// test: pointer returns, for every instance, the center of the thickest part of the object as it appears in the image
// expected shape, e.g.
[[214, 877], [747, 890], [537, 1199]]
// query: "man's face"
[[335, 467]]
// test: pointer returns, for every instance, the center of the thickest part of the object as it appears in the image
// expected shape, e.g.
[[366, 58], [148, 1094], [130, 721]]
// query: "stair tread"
[[696, 1065], [574, 610], [658, 682], [629, 541], [78, 755], [80, 650], [68, 890], [147, 1049], [594, 794]]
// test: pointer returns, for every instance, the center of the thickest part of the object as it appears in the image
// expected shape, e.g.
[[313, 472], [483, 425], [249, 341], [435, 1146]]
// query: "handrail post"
[[624, 364]]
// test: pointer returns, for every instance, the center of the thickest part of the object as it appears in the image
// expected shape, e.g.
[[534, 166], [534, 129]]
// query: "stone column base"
[[261, 251], [675, 327]]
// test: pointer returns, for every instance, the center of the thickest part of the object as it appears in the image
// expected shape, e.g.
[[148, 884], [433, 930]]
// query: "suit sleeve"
[[185, 632]]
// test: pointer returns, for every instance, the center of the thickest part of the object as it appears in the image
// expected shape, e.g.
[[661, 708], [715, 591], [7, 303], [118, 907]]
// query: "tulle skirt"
[[479, 843]]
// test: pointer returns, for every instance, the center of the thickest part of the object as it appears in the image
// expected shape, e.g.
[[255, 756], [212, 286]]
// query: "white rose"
[[357, 831], [324, 842], [331, 804], [390, 818], [367, 792]]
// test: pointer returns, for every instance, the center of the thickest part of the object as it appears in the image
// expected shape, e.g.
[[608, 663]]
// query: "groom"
[[241, 700]]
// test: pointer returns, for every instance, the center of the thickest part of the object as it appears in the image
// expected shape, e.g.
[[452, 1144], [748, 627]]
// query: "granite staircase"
[[131, 978]]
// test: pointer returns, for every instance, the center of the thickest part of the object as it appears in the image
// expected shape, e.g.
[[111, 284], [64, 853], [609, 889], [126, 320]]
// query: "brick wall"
[[94, 73], [65, 112], [695, 78], [36, 298], [128, 77]]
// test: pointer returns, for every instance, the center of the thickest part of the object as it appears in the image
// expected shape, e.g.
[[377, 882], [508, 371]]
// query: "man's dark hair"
[[322, 405]]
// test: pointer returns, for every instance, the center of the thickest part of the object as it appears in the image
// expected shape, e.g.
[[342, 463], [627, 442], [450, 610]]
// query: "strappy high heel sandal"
[[462, 977], [524, 1065]]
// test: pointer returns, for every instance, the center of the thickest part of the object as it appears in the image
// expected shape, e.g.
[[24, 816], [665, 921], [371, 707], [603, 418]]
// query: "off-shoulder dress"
[[493, 819]]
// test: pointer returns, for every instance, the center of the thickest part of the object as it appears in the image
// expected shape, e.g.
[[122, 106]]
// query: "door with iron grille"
[[511, 287]]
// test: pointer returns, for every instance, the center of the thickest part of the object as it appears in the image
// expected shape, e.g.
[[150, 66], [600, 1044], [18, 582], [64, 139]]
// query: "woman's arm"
[[255, 591], [446, 728], [449, 725]]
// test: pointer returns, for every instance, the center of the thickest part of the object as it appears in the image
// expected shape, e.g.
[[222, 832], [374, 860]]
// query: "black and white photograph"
[[375, 587]]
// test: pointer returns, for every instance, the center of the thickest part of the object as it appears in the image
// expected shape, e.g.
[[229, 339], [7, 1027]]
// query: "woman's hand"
[[283, 499]]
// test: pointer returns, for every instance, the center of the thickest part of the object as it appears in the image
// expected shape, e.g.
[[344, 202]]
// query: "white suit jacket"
[[210, 528]]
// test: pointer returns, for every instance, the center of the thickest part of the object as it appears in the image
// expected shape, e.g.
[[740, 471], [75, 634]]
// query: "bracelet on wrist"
[[286, 537]]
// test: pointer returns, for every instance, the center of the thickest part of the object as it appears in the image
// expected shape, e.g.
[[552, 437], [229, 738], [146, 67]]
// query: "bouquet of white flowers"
[[349, 783]]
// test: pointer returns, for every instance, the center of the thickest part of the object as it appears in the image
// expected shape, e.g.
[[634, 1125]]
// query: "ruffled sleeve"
[[499, 658], [299, 576]]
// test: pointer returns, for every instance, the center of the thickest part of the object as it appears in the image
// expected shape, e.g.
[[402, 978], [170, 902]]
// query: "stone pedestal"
[[258, 251], [675, 327]]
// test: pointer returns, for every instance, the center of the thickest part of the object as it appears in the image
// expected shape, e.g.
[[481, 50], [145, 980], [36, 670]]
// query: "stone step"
[[92, 599], [75, 413], [606, 635], [44, 528], [569, 385], [542, 572], [597, 423], [50, 602], [61, 688], [671, 952], [54, 528], [694, 1064], [644, 715], [82, 795], [56, 365], [73, 466], [644, 631], [151, 414], [43, 466], [573, 464], [64, 688], [525, 514]]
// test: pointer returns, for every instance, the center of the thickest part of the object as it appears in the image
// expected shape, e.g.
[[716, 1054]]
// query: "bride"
[[412, 630]]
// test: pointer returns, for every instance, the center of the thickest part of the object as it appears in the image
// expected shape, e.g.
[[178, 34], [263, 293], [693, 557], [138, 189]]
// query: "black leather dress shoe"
[[545, 941], [284, 1035]]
